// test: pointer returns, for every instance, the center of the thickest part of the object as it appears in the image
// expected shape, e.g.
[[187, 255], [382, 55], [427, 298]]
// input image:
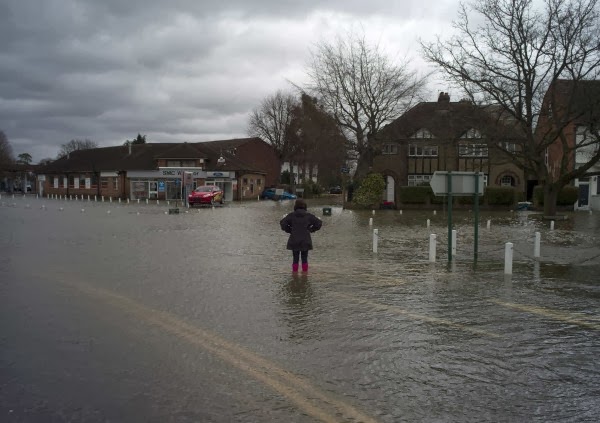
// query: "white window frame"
[[417, 150], [473, 150], [389, 149], [418, 179]]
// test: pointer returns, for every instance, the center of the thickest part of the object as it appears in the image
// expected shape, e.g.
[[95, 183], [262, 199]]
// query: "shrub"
[[415, 195], [500, 196], [566, 197], [370, 190], [311, 189], [469, 199]]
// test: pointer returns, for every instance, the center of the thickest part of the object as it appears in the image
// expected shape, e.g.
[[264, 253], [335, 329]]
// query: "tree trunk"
[[550, 199], [364, 164]]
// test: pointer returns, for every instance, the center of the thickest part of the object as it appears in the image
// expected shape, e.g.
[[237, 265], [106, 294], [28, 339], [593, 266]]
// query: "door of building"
[[584, 195]]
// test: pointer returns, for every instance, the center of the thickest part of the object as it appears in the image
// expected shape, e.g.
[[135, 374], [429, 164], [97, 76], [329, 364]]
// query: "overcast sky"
[[178, 70]]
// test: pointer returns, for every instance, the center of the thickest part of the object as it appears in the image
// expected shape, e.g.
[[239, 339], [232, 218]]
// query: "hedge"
[[567, 196], [500, 196], [416, 195]]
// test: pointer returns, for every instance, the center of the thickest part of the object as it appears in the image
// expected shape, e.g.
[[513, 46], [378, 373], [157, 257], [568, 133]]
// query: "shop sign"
[[217, 174], [166, 173]]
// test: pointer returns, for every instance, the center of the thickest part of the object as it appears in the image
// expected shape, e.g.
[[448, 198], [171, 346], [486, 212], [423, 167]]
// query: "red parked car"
[[206, 194]]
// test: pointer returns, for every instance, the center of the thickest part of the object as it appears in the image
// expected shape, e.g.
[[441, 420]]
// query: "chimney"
[[444, 97]]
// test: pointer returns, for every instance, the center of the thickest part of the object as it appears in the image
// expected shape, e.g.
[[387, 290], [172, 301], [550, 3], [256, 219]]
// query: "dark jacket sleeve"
[[286, 224], [315, 223]]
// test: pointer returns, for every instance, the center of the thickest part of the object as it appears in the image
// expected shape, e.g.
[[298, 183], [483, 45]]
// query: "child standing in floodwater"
[[300, 224]]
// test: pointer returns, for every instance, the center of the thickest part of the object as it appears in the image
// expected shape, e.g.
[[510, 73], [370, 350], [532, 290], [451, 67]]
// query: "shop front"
[[162, 184], [224, 180]]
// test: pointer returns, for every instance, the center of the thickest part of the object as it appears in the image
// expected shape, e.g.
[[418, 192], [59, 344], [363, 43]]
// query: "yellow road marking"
[[416, 316], [304, 395], [546, 312]]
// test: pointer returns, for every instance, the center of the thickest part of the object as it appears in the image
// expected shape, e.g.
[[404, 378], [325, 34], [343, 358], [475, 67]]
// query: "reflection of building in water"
[[158, 171]]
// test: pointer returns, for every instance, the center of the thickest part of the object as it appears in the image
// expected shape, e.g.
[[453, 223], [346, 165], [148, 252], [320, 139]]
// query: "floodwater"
[[122, 313]]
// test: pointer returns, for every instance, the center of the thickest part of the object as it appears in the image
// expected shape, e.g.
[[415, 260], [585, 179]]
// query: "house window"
[[472, 150], [259, 182], [389, 149], [188, 163], [81, 181], [422, 133], [104, 183], [507, 181], [173, 163], [472, 133], [415, 180], [510, 147], [245, 180], [415, 150]]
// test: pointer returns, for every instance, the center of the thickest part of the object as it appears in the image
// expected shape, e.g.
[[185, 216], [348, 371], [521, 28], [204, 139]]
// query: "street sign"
[[463, 183]]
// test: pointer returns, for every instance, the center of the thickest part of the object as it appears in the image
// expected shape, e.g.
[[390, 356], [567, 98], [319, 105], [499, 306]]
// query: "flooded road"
[[124, 313]]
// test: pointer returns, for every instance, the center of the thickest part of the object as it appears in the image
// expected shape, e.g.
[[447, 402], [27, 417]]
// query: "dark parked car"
[[335, 190], [270, 194]]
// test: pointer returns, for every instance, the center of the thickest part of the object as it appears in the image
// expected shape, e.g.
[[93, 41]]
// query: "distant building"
[[154, 171], [446, 136], [571, 115]]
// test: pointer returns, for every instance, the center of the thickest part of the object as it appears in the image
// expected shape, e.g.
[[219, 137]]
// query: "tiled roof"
[[446, 120], [144, 157]]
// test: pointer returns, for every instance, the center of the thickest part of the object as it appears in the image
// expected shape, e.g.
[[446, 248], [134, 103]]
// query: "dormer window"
[[472, 133], [422, 133]]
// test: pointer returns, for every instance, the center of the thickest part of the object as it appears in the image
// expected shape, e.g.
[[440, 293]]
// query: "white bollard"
[[119, 200], [400, 211], [168, 203], [128, 201], [375, 239], [258, 198], [146, 201], [590, 212], [70, 197], [536, 245], [138, 201], [157, 202], [373, 212], [508, 258], [103, 199], [428, 223], [435, 212], [110, 199], [552, 225], [370, 221], [453, 242], [88, 197], [489, 224], [95, 198], [432, 247]]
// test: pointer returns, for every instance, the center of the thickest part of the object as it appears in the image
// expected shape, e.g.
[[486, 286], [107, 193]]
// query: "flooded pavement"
[[124, 313]]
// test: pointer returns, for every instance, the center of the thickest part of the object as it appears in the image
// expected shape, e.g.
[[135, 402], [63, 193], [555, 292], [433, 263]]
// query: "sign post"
[[453, 184]]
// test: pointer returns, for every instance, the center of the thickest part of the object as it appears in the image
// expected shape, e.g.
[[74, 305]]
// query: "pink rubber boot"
[[294, 267], [305, 267]]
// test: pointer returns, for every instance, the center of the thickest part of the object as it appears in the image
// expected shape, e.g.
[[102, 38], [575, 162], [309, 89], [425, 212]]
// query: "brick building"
[[446, 136], [241, 167]]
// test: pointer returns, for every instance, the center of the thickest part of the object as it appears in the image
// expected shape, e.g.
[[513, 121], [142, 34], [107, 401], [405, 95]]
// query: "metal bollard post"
[[103, 199], [432, 247], [146, 201], [489, 224], [370, 221], [508, 258], [373, 212], [375, 239], [536, 245], [400, 211], [435, 212], [552, 225], [453, 243], [428, 223]]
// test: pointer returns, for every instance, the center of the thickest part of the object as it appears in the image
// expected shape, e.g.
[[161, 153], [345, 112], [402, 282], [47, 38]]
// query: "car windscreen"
[[204, 189]]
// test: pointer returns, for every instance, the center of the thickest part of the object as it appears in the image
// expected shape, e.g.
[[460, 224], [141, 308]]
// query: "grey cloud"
[[177, 70]]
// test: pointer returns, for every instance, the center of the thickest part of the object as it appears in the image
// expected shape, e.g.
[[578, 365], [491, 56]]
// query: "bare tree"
[[516, 60], [272, 120], [6, 151], [75, 145], [362, 89]]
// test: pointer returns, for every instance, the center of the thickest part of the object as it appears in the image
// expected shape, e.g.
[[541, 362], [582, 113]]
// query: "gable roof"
[[445, 120]]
